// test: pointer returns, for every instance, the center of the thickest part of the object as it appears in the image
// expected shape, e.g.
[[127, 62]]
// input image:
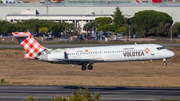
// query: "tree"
[[90, 26], [6, 26], [153, 22], [103, 21], [107, 23], [112, 28], [178, 28], [118, 18], [149, 18], [43, 30], [104, 28], [33, 26], [163, 29]]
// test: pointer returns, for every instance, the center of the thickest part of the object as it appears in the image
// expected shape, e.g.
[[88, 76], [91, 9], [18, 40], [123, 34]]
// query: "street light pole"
[[129, 32], [171, 33]]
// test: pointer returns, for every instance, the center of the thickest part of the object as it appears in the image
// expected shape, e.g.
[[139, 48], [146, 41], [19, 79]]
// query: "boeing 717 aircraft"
[[87, 56]]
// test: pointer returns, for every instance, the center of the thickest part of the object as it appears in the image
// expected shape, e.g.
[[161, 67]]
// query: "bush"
[[2, 81], [30, 99], [78, 96]]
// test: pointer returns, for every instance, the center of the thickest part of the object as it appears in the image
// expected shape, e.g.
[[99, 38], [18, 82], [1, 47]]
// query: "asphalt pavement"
[[44, 93]]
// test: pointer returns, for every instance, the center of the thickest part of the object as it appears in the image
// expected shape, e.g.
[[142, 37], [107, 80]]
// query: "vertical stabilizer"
[[32, 47]]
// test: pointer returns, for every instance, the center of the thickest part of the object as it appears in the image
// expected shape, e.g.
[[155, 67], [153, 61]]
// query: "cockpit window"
[[159, 48]]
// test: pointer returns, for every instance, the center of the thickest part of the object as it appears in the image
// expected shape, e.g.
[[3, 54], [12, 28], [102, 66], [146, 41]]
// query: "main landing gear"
[[89, 67], [164, 62]]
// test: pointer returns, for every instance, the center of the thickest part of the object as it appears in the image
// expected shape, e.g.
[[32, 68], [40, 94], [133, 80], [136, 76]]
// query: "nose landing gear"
[[164, 62]]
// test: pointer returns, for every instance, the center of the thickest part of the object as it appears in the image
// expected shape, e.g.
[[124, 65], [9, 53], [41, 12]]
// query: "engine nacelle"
[[53, 56]]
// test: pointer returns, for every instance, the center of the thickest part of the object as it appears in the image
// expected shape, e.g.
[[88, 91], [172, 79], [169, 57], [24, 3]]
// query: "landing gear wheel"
[[83, 68], [164, 63], [90, 67]]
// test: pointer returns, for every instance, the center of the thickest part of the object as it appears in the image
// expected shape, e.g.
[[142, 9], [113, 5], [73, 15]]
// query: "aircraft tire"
[[83, 68], [90, 67], [164, 63]]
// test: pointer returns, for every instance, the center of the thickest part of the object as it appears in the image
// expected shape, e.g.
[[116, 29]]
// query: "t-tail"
[[32, 47]]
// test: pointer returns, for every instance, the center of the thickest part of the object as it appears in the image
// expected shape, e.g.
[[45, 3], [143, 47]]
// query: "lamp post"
[[51, 32], [129, 32], [171, 33]]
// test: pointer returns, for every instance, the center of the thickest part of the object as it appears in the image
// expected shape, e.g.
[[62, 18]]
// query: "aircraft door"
[[152, 52]]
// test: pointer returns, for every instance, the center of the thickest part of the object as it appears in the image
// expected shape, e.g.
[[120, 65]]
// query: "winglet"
[[135, 43]]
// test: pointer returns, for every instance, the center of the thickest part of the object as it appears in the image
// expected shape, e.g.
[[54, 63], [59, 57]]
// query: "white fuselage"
[[108, 54]]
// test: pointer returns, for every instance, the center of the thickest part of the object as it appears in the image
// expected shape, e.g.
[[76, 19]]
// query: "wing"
[[84, 60], [80, 61]]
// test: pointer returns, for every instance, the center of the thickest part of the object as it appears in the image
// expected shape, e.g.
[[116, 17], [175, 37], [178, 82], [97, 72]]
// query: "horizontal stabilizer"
[[21, 34], [17, 36]]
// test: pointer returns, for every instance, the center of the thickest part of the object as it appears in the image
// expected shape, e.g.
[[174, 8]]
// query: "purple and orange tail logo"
[[31, 46]]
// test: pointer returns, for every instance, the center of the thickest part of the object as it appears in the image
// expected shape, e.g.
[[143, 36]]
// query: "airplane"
[[153, 1], [51, 1], [55, 1], [87, 56], [10, 1]]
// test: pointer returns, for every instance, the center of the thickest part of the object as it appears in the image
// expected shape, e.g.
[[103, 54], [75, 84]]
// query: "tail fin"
[[137, 1], [32, 47]]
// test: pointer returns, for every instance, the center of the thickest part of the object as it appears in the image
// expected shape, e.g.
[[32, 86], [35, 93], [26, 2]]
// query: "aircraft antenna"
[[135, 43]]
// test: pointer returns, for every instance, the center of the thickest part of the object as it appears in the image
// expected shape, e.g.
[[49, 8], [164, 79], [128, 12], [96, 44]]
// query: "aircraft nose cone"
[[171, 54]]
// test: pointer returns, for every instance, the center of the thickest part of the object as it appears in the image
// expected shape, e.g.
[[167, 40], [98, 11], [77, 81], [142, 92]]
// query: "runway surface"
[[44, 93], [81, 45]]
